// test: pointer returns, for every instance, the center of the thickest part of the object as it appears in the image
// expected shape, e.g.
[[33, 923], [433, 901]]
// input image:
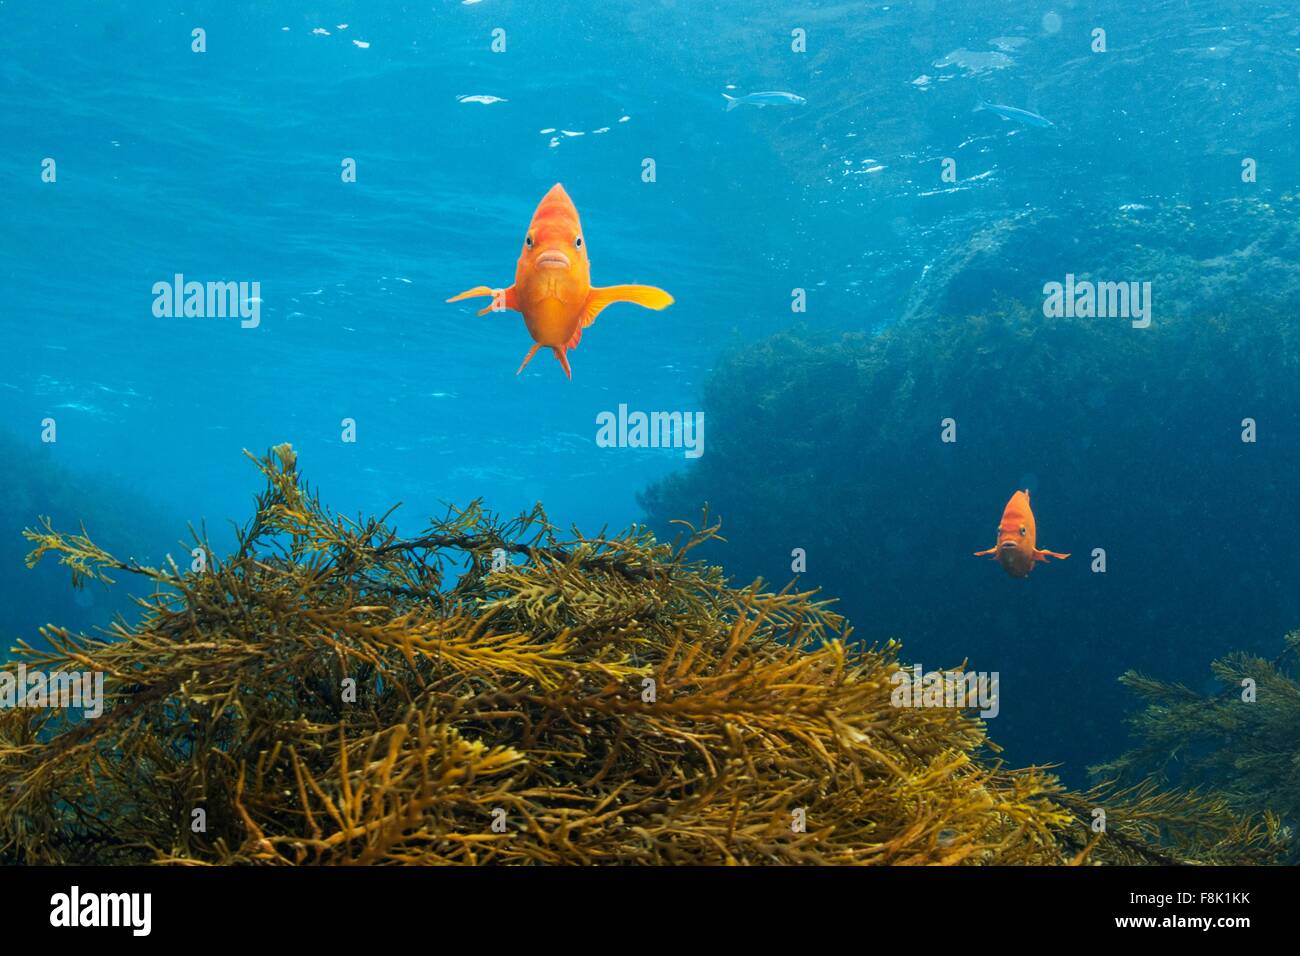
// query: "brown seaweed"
[[498, 691]]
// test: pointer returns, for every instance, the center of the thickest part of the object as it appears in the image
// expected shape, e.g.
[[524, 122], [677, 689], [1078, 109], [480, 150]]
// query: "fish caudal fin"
[[564, 361], [502, 299], [646, 296], [528, 358], [731, 102], [1044, 555]]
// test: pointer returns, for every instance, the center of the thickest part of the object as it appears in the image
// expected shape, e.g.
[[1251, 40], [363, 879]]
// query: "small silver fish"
[[768, 98], [1012, 113]]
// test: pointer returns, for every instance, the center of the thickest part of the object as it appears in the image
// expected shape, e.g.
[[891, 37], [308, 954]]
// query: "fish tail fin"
[[981, 104], [1043, 555], [502, 299], [731, 102], [528, 358], [564, 361], [646, 296]]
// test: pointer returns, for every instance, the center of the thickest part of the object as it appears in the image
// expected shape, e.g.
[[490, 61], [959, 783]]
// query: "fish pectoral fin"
[[646, 296], [990, 551], [1044, 555], [473, 293], [502, 299]]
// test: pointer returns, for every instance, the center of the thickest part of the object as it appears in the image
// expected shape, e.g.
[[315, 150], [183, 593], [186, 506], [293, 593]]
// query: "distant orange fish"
[[553, 282], [1017, 547]]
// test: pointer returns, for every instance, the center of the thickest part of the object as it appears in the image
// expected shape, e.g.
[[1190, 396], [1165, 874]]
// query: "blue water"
[[225, 165]]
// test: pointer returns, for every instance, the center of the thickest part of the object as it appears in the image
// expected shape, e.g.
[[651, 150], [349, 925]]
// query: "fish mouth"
[[1007, 544], [553, 259]]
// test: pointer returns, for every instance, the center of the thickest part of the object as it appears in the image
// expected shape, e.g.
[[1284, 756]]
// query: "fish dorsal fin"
[[646, 296]]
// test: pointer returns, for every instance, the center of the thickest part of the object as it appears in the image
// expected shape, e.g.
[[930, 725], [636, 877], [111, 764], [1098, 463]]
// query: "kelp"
[[498, 691], [1240, 741]]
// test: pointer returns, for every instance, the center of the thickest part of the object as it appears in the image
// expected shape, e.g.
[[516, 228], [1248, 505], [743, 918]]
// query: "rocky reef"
[[1201, 256], [1130, 440], [495, 691]]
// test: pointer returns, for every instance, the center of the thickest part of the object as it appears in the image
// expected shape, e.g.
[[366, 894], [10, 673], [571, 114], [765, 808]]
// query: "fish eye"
[[1022, 531], [578, 242], [528, 241]]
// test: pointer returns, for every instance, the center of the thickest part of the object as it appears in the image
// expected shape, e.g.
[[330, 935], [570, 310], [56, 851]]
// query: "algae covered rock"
[[497, 692], [1130, 440], [1200, 257]]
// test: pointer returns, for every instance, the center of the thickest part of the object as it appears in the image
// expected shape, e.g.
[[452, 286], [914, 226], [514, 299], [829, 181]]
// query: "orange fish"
[[1017, 547], [553, 282]]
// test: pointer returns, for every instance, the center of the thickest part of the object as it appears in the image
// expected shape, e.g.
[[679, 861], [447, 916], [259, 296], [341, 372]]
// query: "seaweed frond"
[[1240, 742], [493, 691]]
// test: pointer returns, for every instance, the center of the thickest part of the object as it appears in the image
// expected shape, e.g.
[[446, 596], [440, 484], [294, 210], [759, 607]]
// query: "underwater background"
[[923, 301]]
